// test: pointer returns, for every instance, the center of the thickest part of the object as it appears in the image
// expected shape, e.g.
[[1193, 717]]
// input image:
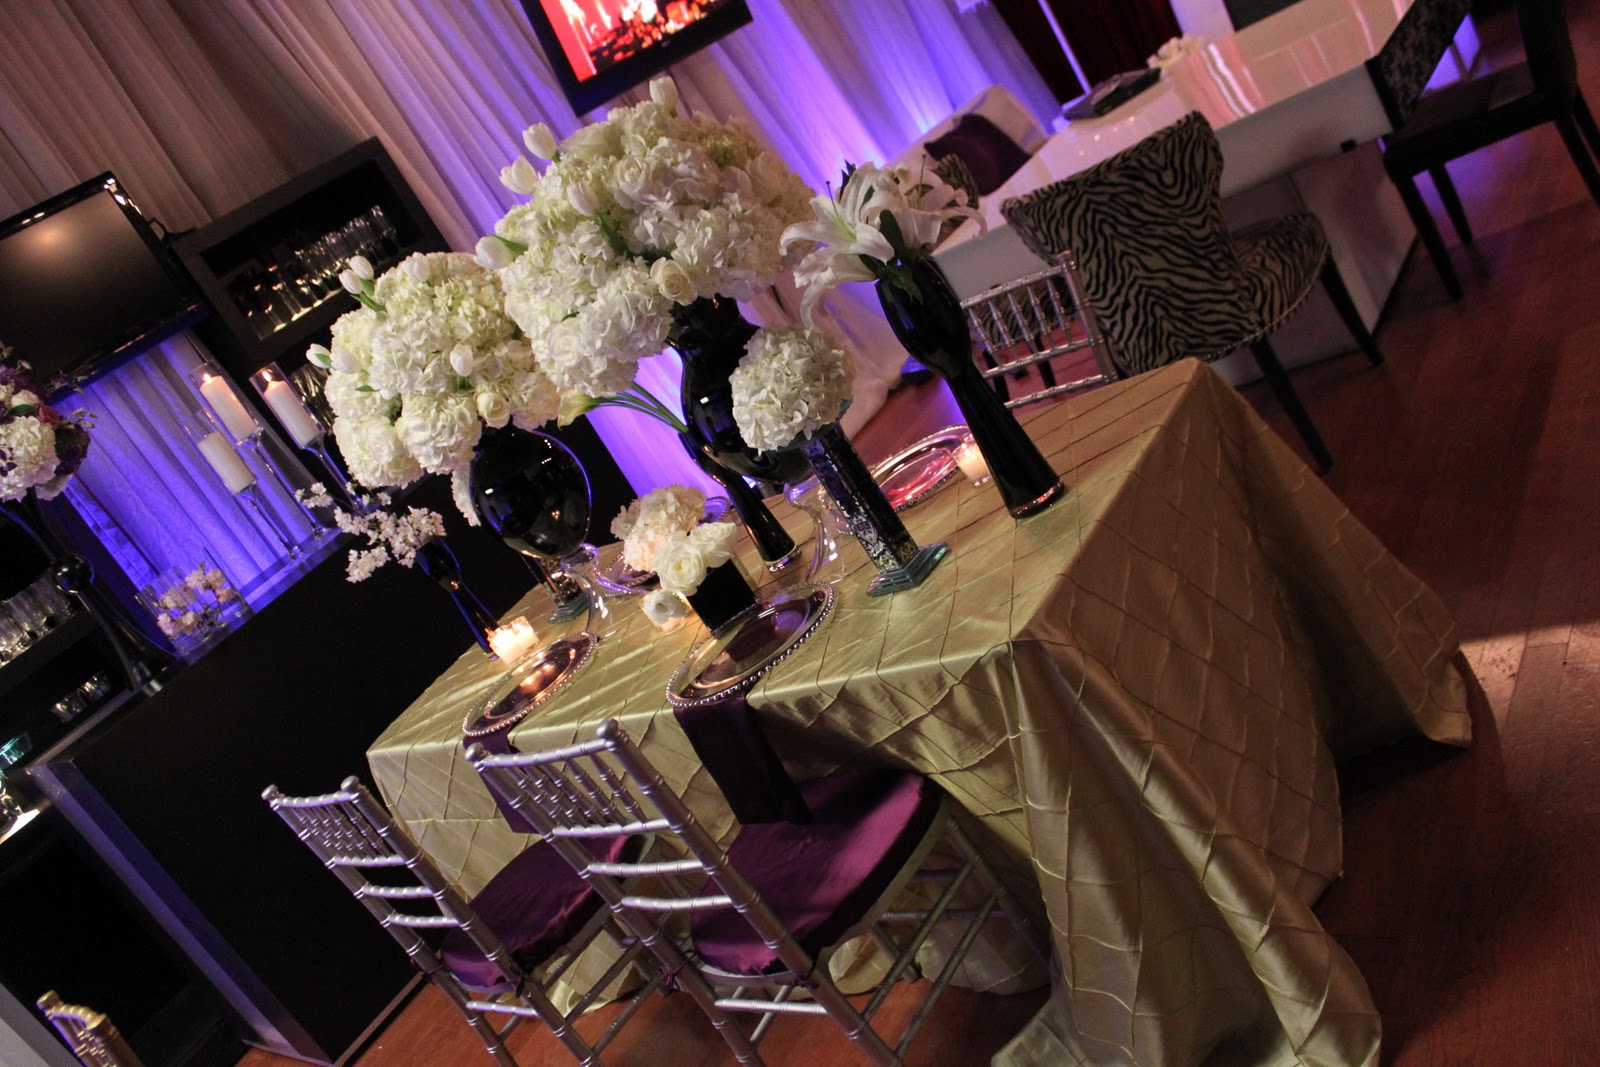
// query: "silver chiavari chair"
[[89, 1034], [1031, 321], [763, 923], [491, 956]]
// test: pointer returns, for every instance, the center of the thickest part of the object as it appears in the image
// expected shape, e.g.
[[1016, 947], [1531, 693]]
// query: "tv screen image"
[[599, 48], [84, 282]]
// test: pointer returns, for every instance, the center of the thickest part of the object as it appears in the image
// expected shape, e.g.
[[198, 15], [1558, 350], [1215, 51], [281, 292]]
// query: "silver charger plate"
[[751, 645], [912, 474], [532, 683]]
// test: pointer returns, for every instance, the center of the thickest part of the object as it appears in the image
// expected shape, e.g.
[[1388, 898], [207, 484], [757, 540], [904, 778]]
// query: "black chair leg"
[[1585, 117], [1568, 126], [1452, 202], [1429, 233], [1333, 282], [1283, 389]]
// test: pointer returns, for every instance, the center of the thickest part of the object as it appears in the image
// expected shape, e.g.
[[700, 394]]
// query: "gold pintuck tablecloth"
[[1135, 699]]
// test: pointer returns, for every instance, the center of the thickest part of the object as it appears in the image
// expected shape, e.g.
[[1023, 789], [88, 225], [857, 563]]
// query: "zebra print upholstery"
[[1165, 277]]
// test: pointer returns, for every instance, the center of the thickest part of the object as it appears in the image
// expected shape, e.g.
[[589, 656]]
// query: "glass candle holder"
[[287, 398]]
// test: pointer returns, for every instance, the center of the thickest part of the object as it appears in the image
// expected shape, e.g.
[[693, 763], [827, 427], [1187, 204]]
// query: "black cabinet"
[[271, 268]]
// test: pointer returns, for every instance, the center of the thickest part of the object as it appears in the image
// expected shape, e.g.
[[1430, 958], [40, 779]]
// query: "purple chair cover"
[[727, 737], [820, 879], [536, 904], [499, 743]]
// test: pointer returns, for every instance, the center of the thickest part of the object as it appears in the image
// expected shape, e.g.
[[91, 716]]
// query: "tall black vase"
[[933, 328], [141, 660], [710, 336], [436, 560], [531, 490]]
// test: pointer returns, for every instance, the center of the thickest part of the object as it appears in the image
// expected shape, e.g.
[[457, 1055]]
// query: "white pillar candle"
[[969, 457], [226, 462], [236, 418], [512, 641], [285, 404]]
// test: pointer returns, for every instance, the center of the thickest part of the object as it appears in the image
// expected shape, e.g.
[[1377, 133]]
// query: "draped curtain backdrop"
[[200, 106]]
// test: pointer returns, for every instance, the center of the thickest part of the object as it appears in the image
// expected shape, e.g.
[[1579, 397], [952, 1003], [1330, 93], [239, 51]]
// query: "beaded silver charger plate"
[[532, 683], [749, 646], [911, 475]]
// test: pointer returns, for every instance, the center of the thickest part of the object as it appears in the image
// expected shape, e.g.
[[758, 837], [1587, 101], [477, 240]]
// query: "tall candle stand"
[[212, 442], [284, 398], [231, 414]]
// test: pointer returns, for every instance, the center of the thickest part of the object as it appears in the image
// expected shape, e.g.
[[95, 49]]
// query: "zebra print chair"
[[1166, 278]]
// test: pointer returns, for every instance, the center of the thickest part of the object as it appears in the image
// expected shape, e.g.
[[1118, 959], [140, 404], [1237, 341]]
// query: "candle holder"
[[212, 442], [233, 416], [287, 398]]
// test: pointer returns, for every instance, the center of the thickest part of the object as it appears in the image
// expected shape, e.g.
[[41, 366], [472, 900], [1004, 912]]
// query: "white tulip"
[[540, 141], [345, 361], [320, 356], [362, 267], [520, 177], [461, 359], [666, 611], [583, 198], [493, 253], [351, 283], [665, 93], [419, 268]]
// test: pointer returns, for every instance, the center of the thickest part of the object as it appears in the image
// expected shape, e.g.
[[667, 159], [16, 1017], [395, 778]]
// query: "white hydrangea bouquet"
[[632, 217], [422, 366], [40, 449], [662, 532], [791, 383], [391, 535]]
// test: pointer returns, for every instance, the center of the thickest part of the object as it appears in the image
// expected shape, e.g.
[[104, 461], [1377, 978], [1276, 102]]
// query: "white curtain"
[[199, 106]]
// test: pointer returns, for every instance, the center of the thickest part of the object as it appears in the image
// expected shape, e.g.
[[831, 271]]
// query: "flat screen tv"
[[85, 282], [600, 48]]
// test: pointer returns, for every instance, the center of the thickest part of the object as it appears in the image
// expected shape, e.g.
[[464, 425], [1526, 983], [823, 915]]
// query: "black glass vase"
[[710, 336], [723, 596], [933, 327], [531, 490], [436, 560]]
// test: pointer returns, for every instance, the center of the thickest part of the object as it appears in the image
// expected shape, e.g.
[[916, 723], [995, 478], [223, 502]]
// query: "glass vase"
[[933, 327], [710, 336], [868, 515]]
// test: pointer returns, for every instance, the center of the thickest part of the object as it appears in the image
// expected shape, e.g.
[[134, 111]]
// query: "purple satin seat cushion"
[[821, 877], [989, 153], [536, 904]]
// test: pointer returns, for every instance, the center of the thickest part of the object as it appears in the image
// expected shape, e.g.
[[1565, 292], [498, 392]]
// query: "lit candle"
[[285, 404], [512, 641], [969, 457], [226, 462], [236, 418]]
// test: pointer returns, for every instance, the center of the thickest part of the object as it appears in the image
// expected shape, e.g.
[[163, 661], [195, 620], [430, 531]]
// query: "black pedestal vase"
[[437, 561], [933, 327], [710, 335]]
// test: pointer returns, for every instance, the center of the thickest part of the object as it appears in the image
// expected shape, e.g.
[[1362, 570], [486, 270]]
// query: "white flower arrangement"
[[662, 532], [648, 210], [391, 535], [191, 606], [882, 220], [1175, 49], [791, 383], [422, 366], [40, 449]]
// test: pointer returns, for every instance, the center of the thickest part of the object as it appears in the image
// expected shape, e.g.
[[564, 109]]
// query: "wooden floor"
[[1471, 896]]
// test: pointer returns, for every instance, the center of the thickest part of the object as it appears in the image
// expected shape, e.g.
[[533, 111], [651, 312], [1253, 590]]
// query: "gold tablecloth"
[[1135, 698]]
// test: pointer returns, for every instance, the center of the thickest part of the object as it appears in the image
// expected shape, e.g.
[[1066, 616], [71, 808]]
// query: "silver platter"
[[911, 475], [753, 644], [532, 683]]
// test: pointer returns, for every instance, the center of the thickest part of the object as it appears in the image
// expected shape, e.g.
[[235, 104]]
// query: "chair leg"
[[1585, 117], [1452, 202], [1568, 126], [998, 382], [1428, 232], [1333, 282], [1283, 389]]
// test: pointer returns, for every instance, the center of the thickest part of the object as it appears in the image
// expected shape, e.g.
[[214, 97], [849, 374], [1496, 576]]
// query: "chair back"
[[1032, 321], [1153, 253], [606, 788], [357, 839], [1548, 45], [89, 1034], [1403, 66]]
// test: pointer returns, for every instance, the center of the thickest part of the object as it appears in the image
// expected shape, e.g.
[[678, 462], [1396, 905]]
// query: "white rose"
[[582, 197], [680, 565], [520, 177], [494, 254], [495, 409], [24, 399], [673, 281], [461, 359], [361, 267], [664, 93], [666, 611], [540, 141]]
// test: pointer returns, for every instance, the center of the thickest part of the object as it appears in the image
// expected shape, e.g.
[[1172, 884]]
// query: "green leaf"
[[891, 231]]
